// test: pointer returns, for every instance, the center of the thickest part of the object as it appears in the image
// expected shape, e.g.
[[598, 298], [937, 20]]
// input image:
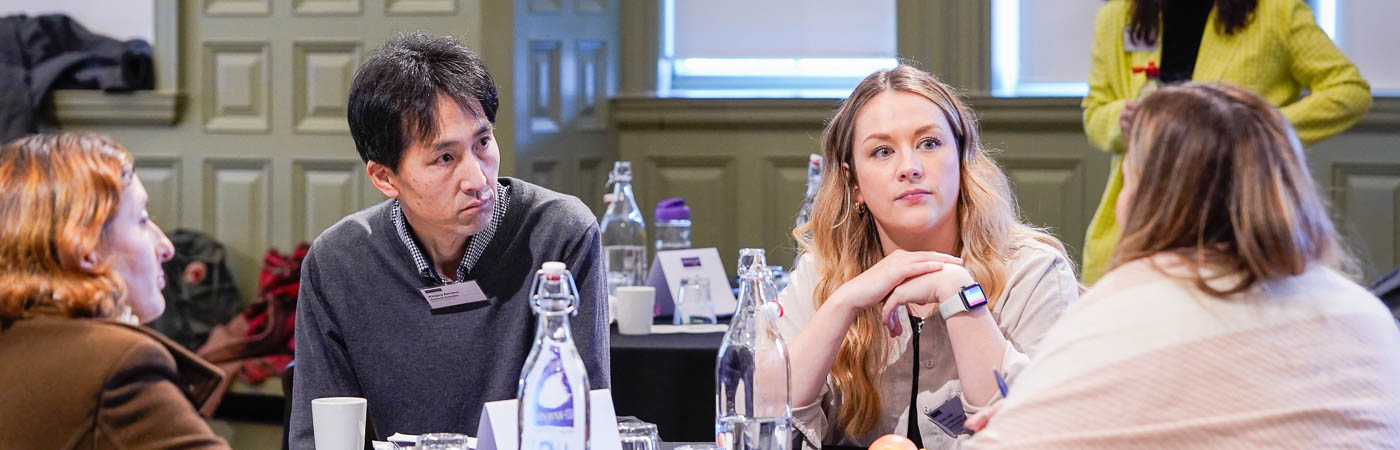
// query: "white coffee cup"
[[635, 306], [338, 423]]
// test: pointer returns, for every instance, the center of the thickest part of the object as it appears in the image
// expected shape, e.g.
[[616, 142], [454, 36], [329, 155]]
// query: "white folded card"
[[672, 265], [401, 440], [499, 429]]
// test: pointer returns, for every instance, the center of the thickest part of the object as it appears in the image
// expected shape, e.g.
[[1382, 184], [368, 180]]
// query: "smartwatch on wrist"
[[969, 298]]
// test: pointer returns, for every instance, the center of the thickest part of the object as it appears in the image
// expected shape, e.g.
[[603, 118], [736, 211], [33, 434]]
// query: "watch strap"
[[951, 306]]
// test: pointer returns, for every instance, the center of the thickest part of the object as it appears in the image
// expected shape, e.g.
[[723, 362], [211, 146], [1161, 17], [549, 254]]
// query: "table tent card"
[[498, 427], [671, 266]]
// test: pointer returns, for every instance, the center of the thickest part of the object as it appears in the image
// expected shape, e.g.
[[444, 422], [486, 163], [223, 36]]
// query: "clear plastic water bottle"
[[624, 233], [553, 392], [753, 408], [672, 224], [814, 184]]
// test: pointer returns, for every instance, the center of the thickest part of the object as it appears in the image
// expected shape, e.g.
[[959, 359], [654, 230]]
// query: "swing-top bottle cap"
[[553, 268], [622, 172], [772, 310]]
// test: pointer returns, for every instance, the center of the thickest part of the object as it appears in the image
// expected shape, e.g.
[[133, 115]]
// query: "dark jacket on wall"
[[43, 53], [98, 384]]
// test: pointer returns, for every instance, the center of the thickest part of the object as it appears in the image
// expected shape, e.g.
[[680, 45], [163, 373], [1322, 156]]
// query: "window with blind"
[[1365, 31], [785, 48], [1041, 48]]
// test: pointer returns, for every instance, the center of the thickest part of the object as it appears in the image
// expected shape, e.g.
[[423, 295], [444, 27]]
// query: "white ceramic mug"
[[635, 305], [339, 423]]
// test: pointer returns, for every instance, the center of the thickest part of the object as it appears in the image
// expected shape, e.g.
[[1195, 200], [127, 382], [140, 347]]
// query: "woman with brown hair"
[[1227, 317], [79, 270], [1273, 48], [919, 279]]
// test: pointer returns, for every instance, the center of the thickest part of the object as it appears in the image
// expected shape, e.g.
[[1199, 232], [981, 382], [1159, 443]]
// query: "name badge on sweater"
[[950, 417], [453, 294], [1132, 45]]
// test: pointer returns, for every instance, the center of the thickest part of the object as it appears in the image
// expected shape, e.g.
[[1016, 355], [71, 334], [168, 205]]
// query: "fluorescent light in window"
[[1052, 89], [758, 93], [781, 67], [844, 67]]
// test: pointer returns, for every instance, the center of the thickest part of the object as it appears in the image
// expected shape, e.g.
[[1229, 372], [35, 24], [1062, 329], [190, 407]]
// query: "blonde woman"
[[1226, 319], [919, 278]]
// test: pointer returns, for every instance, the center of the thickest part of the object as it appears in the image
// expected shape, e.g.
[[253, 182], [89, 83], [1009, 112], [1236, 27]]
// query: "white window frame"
[[757, 77], [1327, 15], [1006, 52], [1006, 59]]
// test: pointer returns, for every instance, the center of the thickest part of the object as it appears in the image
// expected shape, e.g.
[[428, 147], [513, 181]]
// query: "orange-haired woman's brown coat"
[[97, 384]]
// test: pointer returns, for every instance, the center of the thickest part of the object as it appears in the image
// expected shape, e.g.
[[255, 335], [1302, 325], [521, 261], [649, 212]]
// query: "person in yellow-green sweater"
[[1271, 47]]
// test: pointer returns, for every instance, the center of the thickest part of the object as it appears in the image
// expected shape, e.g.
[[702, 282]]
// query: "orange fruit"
[[893, 442]]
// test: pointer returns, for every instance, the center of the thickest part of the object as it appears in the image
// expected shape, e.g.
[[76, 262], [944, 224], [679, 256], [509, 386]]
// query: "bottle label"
[[554, 401]]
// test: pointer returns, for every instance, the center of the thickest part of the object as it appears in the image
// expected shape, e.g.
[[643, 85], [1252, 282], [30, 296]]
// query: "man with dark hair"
[[420, 304]]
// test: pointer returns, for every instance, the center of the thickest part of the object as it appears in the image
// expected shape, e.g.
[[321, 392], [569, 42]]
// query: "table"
[[668, 380], [673, 445]]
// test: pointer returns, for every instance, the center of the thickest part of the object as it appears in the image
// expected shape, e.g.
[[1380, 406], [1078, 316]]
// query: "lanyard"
[[914, 434]]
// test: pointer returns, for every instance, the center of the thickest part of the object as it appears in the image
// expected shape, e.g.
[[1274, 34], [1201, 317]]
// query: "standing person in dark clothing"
[[422, 111]]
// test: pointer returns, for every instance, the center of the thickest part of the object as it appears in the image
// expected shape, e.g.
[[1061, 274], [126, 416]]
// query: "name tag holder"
[[454, 294], [671, 266], [1131, 44], [950, 417]]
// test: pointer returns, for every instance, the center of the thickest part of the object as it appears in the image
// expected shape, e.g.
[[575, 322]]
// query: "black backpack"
[[199, 289]]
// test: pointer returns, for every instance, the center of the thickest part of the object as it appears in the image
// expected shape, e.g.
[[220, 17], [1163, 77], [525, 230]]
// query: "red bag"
[[258, 342]]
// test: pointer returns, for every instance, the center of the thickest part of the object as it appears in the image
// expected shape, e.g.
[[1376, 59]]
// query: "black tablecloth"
[[673, 445], [668, 380]]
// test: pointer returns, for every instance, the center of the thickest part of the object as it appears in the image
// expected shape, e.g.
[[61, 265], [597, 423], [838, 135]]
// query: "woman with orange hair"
[[79, 270], [919, 281]]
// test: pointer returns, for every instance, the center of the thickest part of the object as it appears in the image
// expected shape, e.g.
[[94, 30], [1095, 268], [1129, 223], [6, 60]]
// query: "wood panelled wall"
[[739, 161], [246, 137], [741, 165], [254, 147]]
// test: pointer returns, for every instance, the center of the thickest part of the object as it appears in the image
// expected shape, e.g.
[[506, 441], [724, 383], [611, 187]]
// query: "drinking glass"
[[638, 435], [693, 302]]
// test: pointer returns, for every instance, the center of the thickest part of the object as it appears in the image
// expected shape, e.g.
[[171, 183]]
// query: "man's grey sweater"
[[364, 330]]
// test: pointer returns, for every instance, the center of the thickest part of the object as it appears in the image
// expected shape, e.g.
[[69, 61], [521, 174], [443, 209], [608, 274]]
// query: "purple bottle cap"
[[672, 209]]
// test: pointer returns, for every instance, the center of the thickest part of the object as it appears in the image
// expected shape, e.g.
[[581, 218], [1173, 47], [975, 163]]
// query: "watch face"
[[973, 296]]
